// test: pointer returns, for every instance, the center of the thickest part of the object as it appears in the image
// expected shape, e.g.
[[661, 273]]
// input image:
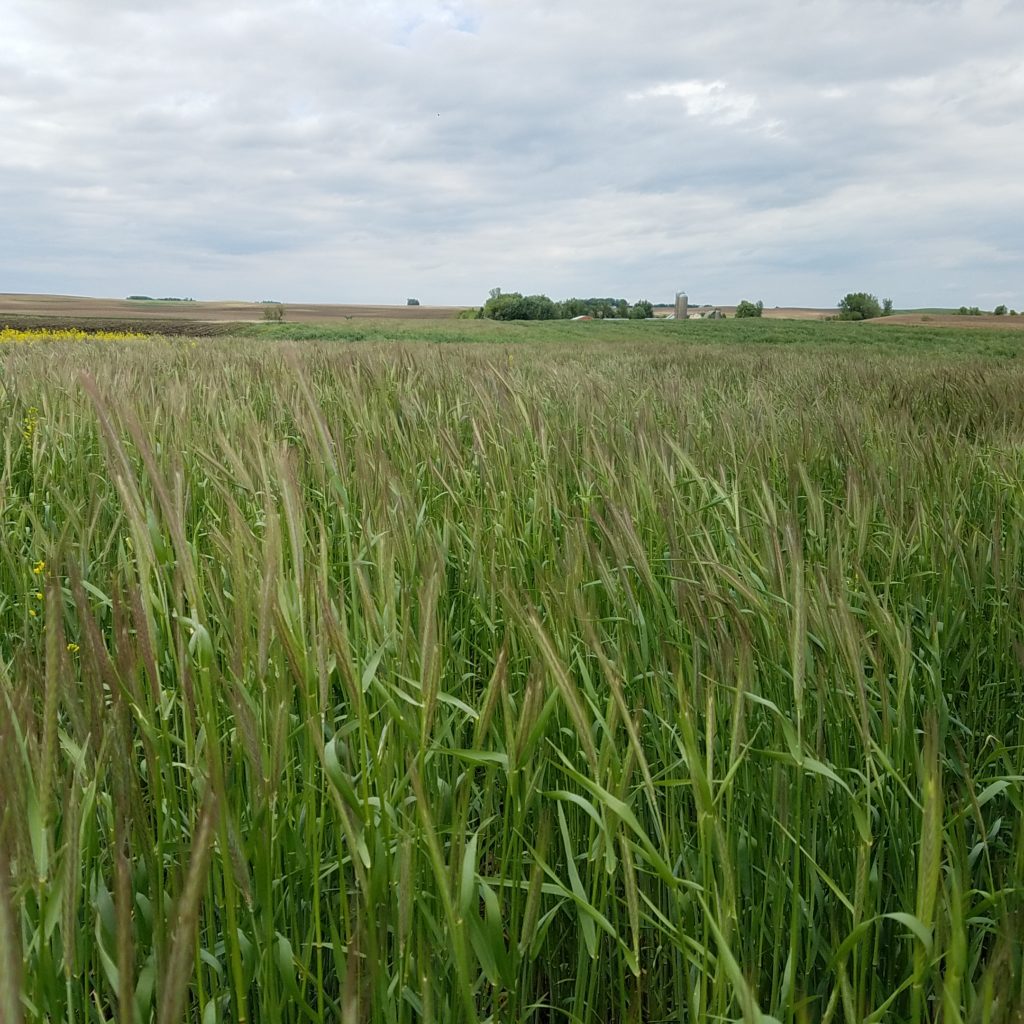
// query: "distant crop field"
[[964, 340], [98, 325], [477, 672], [953, 320], [80, 308], [172, 317]]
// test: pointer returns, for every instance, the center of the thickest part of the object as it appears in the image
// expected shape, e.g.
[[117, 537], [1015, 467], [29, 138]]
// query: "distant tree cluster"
[[749, 309], [516, 306], [863, 306], [1000, 310], [163, 298]]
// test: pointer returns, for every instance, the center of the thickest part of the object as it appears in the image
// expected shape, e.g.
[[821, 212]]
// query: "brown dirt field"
[[168, 317], [1002, 323], [797, 313], [80, 307]]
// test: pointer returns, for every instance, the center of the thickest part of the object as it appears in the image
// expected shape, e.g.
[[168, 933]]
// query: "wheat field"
[[569, 681]]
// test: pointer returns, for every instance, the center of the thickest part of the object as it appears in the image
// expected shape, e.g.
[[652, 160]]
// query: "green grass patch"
[[834, 335], [492, 672]]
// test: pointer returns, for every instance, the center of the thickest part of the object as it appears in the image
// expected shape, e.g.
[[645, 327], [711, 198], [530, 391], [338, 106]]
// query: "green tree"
[[887, 307], [859, 306], [516, 306], [502, 306], [1000, 310], [749, 309]]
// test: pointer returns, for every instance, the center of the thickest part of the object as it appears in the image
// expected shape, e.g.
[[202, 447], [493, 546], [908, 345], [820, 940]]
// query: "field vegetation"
[[28, 335], [82, 310], [887, 336], [515, 674]]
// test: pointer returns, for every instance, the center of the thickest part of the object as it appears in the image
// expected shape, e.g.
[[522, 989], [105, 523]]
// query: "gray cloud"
[[365, 152]]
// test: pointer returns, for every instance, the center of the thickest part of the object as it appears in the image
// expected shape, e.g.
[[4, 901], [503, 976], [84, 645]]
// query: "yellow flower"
[[39, 568], [17, 336], [73, 648], [32, 612], [39, 595]]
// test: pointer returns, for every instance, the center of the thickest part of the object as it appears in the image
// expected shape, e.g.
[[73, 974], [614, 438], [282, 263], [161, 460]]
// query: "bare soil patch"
[[1004, 323], [81, 308]]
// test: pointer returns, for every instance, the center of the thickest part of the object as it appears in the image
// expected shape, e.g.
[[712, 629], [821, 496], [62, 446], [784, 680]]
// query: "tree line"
[[516, 306]]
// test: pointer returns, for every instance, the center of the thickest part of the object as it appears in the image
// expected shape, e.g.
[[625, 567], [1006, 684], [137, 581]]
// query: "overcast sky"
[[306, 150]]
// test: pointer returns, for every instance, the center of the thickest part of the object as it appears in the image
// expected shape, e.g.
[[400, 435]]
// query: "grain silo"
[[682, 306]]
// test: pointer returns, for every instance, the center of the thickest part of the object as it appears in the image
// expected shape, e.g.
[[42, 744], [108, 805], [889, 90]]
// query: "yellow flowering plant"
[[14, 335]]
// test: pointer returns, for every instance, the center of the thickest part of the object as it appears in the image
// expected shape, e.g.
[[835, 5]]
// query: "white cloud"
[[710, 101], [366, 151]]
